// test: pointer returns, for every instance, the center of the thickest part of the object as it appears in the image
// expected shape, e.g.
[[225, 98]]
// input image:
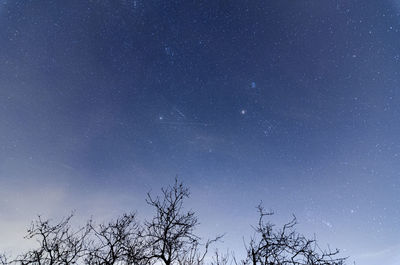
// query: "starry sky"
[[292, 103]]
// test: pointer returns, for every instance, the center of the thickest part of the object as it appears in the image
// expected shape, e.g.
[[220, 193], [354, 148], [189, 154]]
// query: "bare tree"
[[285, 246], [117, 242], [197, 252], [3, 259], [170, 233], [220, 259], [168, 238], [58, 243]]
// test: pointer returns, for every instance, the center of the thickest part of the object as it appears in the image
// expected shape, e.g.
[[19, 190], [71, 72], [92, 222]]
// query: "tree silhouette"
[[170, 233], [3, 259], [58, 243], [167, 238], [272, 246], [117, 242]]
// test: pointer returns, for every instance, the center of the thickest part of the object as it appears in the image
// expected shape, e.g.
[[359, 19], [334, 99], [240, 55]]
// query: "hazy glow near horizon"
[[293, 103]]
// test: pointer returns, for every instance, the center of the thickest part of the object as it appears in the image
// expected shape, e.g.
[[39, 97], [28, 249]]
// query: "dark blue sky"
[[295, 103]]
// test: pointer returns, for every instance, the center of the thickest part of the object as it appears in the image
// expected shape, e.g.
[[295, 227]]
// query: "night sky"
[[292, 103]]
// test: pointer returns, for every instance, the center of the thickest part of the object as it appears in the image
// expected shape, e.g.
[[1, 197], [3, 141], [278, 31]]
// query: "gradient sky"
[[293, 103]]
